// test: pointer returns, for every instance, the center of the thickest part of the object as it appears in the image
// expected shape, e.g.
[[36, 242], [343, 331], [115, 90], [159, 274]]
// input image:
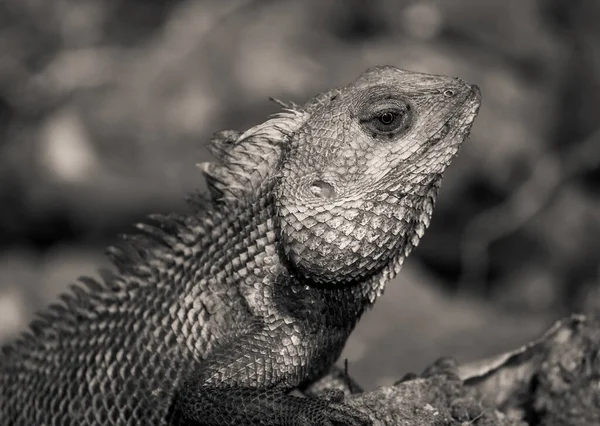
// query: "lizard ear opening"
[[322, 189]]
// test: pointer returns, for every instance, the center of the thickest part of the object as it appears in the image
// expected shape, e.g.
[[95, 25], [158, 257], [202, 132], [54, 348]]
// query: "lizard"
[[214, 316]]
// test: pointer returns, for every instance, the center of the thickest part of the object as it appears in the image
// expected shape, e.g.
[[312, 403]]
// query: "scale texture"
[[213, 317]]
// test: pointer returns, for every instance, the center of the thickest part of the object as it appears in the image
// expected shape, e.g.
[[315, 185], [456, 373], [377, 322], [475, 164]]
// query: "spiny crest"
[[77, 304], [245, 160], [136, 258]]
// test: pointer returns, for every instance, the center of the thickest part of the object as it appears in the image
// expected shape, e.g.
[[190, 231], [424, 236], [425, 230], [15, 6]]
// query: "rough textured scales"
[[214, 317]]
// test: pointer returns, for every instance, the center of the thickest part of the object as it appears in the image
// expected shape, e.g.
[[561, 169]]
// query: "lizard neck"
[[363, 275], [252, 259]]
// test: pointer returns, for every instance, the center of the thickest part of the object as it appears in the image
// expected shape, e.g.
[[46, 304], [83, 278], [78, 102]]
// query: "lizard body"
[[213, 317]]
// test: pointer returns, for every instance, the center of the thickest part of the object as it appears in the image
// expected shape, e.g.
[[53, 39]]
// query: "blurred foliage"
[[105, 106]]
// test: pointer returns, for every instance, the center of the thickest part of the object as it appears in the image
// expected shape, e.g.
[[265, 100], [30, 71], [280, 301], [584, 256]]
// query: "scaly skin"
[[213, 317]]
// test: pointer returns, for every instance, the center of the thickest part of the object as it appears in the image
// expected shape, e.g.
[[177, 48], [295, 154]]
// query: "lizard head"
[[359, 177]]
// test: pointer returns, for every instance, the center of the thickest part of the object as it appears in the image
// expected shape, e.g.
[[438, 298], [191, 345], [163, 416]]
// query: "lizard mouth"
[[443, 145], [458, 125], [463, 117]]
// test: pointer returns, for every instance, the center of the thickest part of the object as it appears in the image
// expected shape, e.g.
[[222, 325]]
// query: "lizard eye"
[[387, 121]]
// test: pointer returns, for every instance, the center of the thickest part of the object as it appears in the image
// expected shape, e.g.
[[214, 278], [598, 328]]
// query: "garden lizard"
[[214, 316]]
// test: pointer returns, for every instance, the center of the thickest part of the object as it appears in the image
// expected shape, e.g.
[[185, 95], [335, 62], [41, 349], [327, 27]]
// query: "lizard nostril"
[[322, 189]]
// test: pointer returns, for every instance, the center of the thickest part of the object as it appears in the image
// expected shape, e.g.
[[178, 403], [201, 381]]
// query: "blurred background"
[[106, 105]]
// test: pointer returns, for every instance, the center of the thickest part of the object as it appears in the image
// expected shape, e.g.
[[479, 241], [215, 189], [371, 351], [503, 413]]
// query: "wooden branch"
[[554, 380]]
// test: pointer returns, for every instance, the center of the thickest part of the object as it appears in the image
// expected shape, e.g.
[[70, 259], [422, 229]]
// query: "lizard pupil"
[[387, 118]]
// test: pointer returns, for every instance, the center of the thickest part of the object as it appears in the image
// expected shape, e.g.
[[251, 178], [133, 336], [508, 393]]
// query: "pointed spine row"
[[136, 257], [245, 160]]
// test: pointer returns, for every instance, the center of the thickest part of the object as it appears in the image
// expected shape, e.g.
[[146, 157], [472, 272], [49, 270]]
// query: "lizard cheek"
[[322, 189]]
